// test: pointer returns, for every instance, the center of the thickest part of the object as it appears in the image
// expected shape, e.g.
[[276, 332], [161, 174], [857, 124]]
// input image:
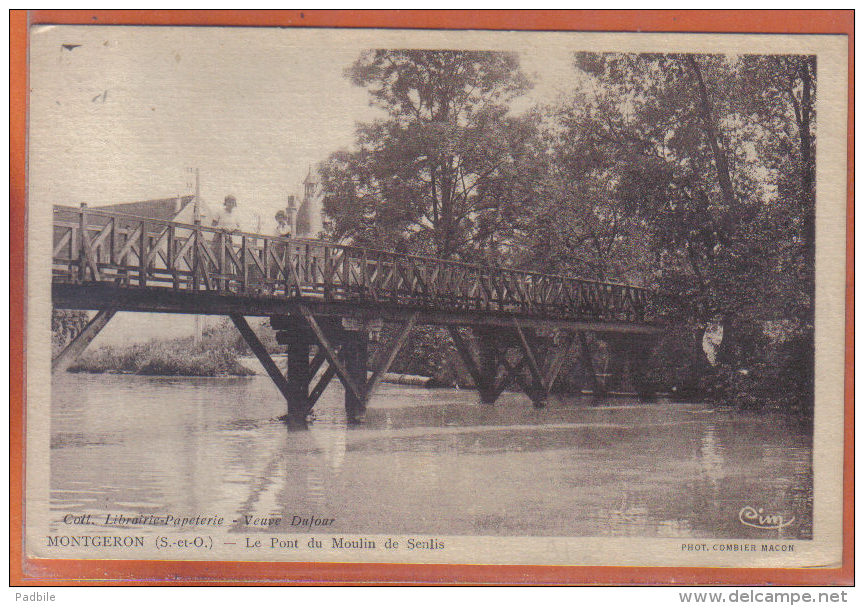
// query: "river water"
[[425, 461]]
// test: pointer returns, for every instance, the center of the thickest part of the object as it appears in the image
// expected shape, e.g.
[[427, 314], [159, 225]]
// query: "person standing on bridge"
[[283, 226], [228, 218], [281, 230]]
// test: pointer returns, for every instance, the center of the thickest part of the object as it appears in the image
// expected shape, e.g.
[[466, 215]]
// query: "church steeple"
[[307, 225], [310, 184]]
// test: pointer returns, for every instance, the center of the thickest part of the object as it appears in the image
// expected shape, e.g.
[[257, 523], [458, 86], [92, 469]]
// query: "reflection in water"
[[426, 461], [711, 456]]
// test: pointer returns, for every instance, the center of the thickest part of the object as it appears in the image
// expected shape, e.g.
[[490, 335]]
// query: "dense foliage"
[[442, 173], [65, 325], [691, 174]]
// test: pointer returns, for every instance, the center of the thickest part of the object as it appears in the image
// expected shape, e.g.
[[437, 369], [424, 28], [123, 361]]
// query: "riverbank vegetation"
[[216, 354]]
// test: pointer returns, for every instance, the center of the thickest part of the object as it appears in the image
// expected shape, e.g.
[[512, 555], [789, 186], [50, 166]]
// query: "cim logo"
[[757, 518]]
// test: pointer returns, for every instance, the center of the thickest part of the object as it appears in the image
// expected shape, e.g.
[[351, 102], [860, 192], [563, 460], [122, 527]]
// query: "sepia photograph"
[[315, 295]]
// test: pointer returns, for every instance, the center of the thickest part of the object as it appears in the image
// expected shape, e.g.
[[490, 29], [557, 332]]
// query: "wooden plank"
[[393, 350], [79, 244], [202, 264], [265, 254], [528, 353], [524, 300], [233, 258], [331, 355], [316, 363], [209, 259], [510, 372], [164, 259], [558, 361], [387, 279], [106, 231], [63, 241], [154, 248], [364, 278], [244, 265], [416, 273], [273, 252], [433, 283], [319, 388], [261, 353], [467, 357], [74, 349], [409, 286], [171, 261], [295, 276], [223, 283], [286, 275], [112, 243], [256, 260], [85, 249], [346, 269], [589, 363], [187, 245], [88, 256], [142, 257]]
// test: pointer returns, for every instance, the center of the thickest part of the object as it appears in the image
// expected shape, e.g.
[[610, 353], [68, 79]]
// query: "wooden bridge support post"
[[358, 358], [355, 354], [297, 374], [471, 364], [639, 350], [629, 363], [618, 367], [489, 358], [588, 364], [537, 388], [297, 401]]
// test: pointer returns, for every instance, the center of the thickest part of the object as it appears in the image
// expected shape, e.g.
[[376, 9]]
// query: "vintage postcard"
[[312, 295]]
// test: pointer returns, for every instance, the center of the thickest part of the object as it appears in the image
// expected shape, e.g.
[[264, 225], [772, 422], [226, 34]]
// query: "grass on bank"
[[216, 355]]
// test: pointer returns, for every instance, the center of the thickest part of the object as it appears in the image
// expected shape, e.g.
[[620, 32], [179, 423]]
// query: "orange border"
[[104, 572]]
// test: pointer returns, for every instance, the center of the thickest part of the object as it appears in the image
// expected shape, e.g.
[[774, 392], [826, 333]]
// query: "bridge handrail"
[[334, 245]]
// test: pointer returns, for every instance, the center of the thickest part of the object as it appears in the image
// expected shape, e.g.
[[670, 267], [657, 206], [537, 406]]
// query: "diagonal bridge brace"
[[332, 356], [74, 349], [536, 385], [296, 407], [485, 371], [389, 353], [295, 386], [360, 388]]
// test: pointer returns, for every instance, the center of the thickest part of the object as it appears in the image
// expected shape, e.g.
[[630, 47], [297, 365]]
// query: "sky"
[[120, 114]]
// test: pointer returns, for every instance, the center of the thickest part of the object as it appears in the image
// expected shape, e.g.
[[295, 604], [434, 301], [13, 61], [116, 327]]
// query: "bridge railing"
[[90, 245]]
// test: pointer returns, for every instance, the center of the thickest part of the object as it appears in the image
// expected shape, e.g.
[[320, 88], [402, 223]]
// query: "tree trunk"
[[720, 163], [446, 209], [807, 164], [436, 227]]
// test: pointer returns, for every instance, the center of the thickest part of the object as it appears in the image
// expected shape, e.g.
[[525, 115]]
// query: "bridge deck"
[[141, 264]]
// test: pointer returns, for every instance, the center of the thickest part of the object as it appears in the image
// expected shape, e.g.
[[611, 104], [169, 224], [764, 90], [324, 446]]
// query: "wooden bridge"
[[329, 301]]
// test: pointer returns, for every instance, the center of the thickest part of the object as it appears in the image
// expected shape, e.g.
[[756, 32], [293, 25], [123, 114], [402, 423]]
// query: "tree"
[[445, 169], [578, 224], [710, 161], [65, 326]]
